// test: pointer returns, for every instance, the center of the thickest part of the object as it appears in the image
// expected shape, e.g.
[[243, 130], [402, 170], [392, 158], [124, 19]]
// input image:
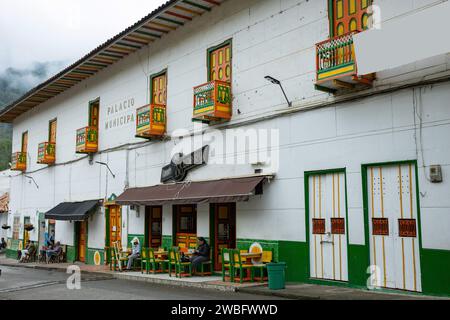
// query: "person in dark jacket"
[[202, 254]]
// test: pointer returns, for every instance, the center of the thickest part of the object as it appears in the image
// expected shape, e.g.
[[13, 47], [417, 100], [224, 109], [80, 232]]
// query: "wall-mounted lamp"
[[278, 82], [32, 179], [106, 165]]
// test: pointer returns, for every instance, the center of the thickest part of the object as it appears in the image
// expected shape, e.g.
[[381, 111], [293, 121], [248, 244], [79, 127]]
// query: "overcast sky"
[[44, 31]]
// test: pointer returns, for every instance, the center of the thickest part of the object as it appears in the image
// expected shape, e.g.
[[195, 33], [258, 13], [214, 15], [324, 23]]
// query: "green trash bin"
[[277, 275]]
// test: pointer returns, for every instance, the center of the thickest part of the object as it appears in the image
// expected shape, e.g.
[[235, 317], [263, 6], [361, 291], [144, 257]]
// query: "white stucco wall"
[[274, 38]]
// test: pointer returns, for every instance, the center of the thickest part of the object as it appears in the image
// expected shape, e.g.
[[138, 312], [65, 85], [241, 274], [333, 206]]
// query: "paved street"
[[31, 284]]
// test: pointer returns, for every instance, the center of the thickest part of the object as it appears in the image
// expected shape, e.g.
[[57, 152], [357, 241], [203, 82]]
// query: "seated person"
[[3, 244], [201, 254], [54, 251], [23, 252], [28, 251], [43, 251], [135, 253]]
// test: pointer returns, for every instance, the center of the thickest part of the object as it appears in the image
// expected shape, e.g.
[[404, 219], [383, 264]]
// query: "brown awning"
[[216, 191]]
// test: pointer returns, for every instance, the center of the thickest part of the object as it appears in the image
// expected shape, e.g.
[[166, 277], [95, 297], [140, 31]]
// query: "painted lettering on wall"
[[120, 114]]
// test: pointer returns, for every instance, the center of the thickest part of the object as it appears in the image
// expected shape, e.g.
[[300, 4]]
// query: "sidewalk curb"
[[275, 293], [124, 276], [49, 268], [173, 283]]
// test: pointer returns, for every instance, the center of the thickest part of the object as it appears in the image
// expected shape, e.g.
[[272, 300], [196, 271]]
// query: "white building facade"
[[354, 185]]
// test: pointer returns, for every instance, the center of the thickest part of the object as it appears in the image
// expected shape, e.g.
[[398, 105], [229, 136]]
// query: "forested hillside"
[[13, 84]]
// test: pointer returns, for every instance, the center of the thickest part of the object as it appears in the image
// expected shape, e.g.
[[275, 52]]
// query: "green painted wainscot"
[[11, 251]]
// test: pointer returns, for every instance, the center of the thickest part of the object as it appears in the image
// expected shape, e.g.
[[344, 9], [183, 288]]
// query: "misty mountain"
[[14, 83]]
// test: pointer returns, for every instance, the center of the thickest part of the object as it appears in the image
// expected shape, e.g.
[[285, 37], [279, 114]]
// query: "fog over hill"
[[14, 83]]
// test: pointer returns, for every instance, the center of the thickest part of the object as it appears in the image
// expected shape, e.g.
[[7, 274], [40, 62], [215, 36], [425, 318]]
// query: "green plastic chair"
[[182, 267], [227, 264], [267, 257], [238, 265], [145, 260], [156, 265], [172, 260]]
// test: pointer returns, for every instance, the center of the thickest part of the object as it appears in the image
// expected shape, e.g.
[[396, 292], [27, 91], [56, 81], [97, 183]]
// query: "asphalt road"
[[32, 284]]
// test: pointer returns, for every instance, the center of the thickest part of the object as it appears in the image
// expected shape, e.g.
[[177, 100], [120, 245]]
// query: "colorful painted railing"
[[87, 140], [19, 161], [151, 121], [212, 102], [335, 57], [46, 153]]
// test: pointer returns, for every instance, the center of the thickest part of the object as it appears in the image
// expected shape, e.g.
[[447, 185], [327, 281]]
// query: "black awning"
[[73, 211]]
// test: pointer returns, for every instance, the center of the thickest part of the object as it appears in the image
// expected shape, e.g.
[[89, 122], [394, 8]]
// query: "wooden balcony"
[[336, 66], [46, 153], [19, 161], [87, 140], [151, 121], [212, 102]]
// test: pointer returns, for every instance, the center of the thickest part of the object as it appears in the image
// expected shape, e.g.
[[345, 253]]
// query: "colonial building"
[[248, 121]]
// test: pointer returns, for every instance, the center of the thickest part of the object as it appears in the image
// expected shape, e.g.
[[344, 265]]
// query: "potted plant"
[[6, 227], [28, 226]]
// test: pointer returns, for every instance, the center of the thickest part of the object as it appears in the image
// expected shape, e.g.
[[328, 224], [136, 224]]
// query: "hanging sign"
[[180, 165]]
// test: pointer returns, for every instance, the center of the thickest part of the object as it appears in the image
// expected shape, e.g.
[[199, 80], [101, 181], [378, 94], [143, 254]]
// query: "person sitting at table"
[[135, 253], [54, 251], [201, 254], [29, 250], [3, 245]]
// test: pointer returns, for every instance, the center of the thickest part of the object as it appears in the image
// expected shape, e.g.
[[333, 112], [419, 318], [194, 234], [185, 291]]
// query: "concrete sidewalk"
[[292, 291], [210, 282], [319, 292]]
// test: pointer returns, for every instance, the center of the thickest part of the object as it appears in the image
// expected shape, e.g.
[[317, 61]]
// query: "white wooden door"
[[393, 226], [327, 227]]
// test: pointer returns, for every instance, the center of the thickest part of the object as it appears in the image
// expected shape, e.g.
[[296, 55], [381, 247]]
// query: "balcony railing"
[[336, 64], [19, 161], [46, 153], [212, 102], [151, 121], [87, 140]]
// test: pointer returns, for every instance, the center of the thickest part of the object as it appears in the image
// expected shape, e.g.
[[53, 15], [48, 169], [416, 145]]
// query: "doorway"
[[393, 219], [153, 227], [185, 226], [224, 230], [327, 224], [81, 240], [115, 225], [26, 233], [41, 230]]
